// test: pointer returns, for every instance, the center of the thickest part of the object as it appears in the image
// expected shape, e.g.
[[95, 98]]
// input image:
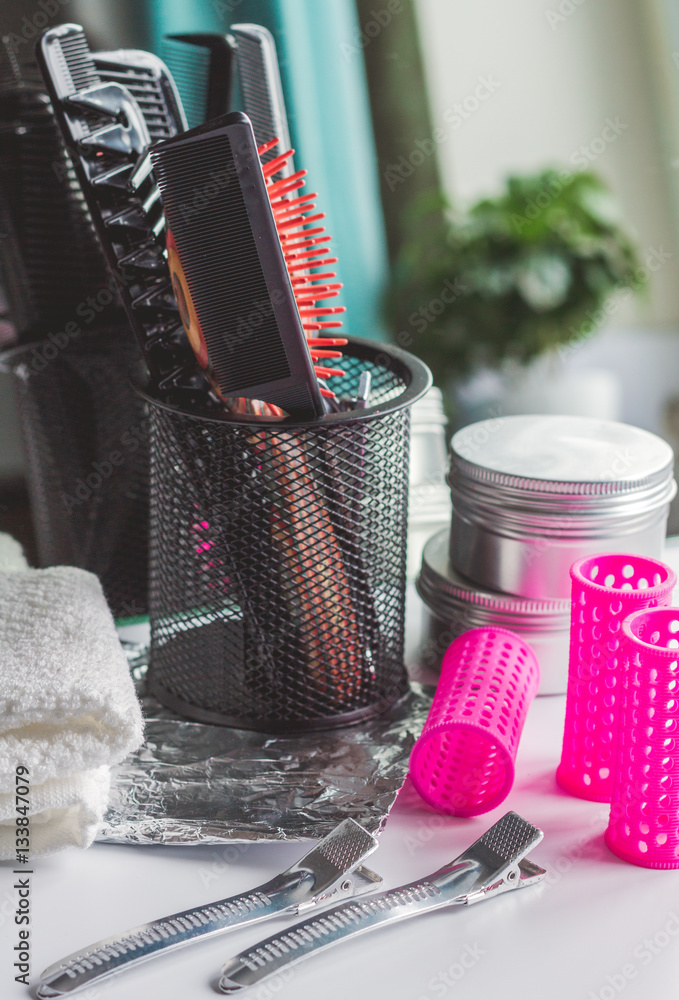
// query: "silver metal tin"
[[531, 494], [456, 605]]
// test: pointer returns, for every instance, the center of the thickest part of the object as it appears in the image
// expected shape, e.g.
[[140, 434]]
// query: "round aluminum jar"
[[532, 494], [456, 605]]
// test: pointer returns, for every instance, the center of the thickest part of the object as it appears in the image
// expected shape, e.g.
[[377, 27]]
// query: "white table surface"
[[598, 928]]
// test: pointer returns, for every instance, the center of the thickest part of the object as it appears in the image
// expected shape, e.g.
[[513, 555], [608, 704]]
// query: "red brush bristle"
[[286, 206], [303, 252], [267, 147], [308, 239], [309, 264], [313, 277]]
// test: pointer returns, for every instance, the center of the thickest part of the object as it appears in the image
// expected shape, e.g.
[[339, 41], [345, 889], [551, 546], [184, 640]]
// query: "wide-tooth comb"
[[147, 79], [229, 268], [107, 135]]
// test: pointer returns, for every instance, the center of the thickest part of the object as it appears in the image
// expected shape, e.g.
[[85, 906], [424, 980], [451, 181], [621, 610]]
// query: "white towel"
[[11, 554], [68, 710]]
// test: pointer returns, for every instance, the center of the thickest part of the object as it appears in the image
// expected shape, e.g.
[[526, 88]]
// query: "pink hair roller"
[[605, 589], [463, 763], [644, 822]]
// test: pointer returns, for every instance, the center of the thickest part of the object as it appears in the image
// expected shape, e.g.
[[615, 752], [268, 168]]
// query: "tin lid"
[[560, 455], [450, 596]]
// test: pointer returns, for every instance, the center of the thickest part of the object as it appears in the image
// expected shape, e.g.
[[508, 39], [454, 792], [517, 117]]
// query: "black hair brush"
[[242, 259], [109, 108]]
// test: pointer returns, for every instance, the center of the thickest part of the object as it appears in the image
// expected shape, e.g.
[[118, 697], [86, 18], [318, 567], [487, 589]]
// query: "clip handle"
[[333, 865], [341, 922], [114, 954], [495, 863]]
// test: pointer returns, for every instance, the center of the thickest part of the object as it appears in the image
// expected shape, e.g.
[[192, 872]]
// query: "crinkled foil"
[[197, 784]]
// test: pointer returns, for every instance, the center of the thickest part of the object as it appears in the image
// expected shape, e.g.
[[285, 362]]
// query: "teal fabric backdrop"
[[326, 93]]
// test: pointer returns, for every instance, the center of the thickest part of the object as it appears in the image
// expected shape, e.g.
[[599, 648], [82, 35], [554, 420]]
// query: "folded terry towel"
[[11, 554], [68, 709]]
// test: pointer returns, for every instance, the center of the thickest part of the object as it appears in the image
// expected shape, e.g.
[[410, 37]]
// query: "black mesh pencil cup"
[[277, 557], [85, 436]]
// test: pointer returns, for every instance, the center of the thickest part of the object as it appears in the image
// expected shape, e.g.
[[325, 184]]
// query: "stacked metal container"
[[531, 494]]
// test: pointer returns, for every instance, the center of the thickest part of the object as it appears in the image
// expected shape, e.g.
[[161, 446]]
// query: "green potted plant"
[[533, 270]]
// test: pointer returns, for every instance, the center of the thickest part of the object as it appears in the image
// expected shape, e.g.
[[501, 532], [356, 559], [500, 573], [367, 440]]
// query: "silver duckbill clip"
[[496, 863], [331, 870]]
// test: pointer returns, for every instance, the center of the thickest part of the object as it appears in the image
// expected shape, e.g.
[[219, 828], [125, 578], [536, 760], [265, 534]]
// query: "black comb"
[[261, 89], [202, 68], [107, 134], [232, 273], [150, 83], [49, 256]]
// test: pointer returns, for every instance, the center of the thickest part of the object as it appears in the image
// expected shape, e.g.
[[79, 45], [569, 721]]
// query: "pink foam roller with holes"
[[463, 763], [605, 589], [644, 822]]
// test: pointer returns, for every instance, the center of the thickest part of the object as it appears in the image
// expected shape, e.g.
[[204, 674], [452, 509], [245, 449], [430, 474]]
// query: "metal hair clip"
[[332, 870], [496, 863]]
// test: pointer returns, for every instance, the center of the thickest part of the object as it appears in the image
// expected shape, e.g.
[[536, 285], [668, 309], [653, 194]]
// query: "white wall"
[[557, 77]]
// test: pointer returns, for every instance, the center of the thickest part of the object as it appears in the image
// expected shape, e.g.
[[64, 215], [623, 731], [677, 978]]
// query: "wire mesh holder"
[[85, 438], [277, 557]]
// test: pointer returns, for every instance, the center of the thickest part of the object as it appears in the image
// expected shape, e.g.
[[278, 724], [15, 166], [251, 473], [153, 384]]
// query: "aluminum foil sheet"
[[197, 784]]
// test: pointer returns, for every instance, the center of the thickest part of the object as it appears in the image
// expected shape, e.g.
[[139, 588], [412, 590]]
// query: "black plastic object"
[[217, 74], [147, 79], [50, 261], [202, 67], [107, 134], [239, 304], [50, 258], [277, 557], [85, 434], [261, 90]]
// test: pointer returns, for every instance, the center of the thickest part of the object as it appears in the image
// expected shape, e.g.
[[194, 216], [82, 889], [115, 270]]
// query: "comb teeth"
[[201, 64], [151, 86], [230, 273], [43, 208], [262, 90], [511, 837], [233, 267], [70, 72], [77, 61], [190, 68]]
